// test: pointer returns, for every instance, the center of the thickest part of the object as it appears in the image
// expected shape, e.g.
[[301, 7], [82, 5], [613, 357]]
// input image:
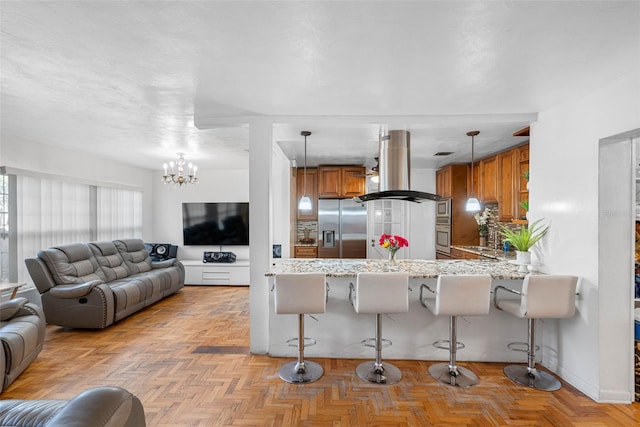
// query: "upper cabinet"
[[523, 179], [340, 182], [488, 176], [452, 181], [312, 192], [443, 181], [501, 178], [508, 185]]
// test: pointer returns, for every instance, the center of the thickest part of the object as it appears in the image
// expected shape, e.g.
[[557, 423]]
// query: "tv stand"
[[216, 274]]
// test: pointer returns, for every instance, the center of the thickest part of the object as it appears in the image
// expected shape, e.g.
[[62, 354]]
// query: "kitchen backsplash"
[[307, 229], [494, 240]]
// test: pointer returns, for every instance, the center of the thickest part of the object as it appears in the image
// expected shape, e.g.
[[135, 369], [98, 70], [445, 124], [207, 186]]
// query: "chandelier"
[[178, 177]]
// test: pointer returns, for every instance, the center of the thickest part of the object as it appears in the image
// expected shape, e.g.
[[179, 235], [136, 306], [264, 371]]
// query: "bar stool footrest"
[[446, 344], [384, 343], [514, 346], [293, 342]]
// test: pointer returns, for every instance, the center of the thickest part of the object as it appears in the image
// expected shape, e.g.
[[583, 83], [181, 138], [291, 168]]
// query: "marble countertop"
[[487, 252], [417, 268]]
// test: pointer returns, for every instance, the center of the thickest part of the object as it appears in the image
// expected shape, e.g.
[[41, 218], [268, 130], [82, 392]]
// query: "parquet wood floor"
[[186, 358]]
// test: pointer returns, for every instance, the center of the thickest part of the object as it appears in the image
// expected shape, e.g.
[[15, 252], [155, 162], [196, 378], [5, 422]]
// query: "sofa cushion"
[[110, 260], [70, 264], [134, 254]]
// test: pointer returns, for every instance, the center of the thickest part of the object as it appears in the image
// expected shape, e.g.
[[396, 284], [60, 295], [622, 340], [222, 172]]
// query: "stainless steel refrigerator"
[[342, 229]]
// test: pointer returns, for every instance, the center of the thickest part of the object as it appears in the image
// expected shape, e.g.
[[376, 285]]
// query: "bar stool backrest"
[[300, 293], [548, 296], [381, 293], [463, 295]]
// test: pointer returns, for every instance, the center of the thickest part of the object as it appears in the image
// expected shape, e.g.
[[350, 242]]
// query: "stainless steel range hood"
[[395, 170]]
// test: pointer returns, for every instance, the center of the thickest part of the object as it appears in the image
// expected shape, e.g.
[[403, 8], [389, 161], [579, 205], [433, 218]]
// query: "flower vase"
[[392, 264], [483, 241]]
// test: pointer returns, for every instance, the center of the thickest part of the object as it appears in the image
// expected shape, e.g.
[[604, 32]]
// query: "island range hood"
[[395, 170]]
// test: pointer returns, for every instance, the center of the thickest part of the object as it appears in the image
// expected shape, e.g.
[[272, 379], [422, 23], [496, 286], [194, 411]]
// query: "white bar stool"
[[460, 295], [378, 293], [542, 297], [300, 293]]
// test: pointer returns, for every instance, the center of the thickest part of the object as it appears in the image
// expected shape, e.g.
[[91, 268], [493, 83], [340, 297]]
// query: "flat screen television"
[[221, 223]]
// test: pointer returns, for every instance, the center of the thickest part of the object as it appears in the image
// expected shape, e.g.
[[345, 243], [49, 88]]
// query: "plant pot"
[[483, 241], [523, 258]]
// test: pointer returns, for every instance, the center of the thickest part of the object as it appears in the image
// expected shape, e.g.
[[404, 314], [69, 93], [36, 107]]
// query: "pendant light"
[[473, 204], [305, 202]]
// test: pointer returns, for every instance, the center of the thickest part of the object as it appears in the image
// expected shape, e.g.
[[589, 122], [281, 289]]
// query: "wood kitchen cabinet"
[[452, 182], [341, 182], [523, 180], [508, 183], [312, 192], [488, 177], [458, 254], [306, 252], [443, 182]]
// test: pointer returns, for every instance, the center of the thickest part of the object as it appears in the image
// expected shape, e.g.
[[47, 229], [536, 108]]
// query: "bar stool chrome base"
[[456, 376], [533, 378], [378, 373], [298, 373]]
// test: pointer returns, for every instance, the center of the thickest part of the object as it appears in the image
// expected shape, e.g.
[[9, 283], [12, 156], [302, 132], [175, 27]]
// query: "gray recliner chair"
[[22, 327], [95, 407]]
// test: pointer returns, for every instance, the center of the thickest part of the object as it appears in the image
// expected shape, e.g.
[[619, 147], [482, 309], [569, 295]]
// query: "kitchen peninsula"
[[340, 330]]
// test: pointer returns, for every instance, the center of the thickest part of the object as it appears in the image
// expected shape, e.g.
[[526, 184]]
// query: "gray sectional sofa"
[[95, 407], [21, 337], [93, 285]]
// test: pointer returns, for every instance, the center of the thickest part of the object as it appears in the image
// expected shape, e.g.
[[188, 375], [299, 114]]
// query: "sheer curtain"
[[119, 213], [49, 213]]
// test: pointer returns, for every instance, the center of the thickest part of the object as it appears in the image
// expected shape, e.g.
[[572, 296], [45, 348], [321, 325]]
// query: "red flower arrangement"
[[393, 243]]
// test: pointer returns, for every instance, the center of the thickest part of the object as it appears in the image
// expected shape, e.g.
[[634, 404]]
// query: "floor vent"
[[222, 349]]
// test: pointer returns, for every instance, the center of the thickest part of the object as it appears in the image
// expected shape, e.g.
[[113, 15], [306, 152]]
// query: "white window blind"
[[119, 213], [50, 213]]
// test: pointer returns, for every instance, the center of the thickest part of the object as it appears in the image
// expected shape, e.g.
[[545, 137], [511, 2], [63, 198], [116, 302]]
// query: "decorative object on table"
[[171, 176], [473, 204], [482, 219], [392, 244], [523, 239]]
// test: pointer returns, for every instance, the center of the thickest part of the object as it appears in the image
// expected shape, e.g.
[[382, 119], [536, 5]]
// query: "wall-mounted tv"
[[222, 223]]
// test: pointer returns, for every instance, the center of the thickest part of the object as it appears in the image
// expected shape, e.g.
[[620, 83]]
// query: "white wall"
[[564, 149], [46, 159], [228, 185]]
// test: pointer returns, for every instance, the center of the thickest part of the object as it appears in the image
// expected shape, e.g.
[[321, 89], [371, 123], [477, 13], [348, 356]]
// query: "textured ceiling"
[[140, 81]]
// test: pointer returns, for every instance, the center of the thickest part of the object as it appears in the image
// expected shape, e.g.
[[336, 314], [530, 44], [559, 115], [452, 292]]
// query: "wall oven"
[[443, 226]]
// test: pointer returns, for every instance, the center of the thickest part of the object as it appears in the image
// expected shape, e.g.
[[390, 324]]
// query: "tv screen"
[[222, 223]]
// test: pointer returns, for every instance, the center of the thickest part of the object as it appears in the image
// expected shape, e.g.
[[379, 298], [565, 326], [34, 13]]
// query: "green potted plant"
[[525, 206], [522, 239]]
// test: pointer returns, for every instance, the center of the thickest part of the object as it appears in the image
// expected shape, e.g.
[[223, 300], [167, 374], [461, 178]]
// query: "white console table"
[[212, 274]]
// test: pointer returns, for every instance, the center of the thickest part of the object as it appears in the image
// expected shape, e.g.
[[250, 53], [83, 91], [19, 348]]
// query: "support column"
[[260, 216]]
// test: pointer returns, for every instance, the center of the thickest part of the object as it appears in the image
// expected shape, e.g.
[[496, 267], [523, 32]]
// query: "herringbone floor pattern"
[[168, 355]]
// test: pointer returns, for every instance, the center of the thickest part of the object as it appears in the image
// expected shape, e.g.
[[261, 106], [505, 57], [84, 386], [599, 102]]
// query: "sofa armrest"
[[74, 291], [163, 264], [12, 308], [101, 406]]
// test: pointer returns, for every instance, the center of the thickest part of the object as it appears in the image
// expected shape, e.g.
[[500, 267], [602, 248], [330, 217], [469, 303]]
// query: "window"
[[119, 213], [4, 228], [38, 212]]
